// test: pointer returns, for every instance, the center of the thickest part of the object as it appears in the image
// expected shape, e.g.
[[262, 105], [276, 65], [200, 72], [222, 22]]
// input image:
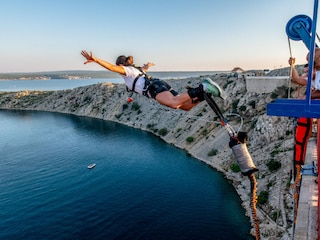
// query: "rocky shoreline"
[[198, 133]]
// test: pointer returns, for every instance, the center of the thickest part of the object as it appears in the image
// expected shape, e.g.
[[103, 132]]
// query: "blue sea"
[[141, 188]]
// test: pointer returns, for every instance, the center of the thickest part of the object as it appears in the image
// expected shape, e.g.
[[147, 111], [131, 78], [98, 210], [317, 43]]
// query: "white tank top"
[[131, 74]]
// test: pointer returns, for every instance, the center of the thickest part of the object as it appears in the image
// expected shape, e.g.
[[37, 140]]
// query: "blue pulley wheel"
[[299, 21]]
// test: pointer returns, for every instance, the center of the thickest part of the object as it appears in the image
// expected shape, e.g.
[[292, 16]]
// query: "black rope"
[[218, 112], [214, 107]]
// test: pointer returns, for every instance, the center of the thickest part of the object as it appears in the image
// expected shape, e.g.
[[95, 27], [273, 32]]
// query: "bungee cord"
[[238, 145], [253, 202]]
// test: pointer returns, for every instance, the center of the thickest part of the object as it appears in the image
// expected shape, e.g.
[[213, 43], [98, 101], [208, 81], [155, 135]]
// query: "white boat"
[[92, 165]]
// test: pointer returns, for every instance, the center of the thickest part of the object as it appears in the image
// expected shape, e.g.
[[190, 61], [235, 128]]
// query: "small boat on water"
[[92, 165]]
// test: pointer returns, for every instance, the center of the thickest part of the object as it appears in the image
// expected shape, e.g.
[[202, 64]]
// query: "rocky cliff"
[[199, 133]]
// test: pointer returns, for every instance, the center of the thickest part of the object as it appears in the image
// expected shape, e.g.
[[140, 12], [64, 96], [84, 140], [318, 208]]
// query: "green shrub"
[[190, 139], [242, 108], [263, 197], [281, 91], [163, 131], [252, 104], [275, 152], [150, 125], [274, 95], [213, 152], [87, 99], [253, 123], [135, 106], [235, 104], [273, 165], [235, 167], [204, 132], [289, 132], [274, 215], [124, 106]]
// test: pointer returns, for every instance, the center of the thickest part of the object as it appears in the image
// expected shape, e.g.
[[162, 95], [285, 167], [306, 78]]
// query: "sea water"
[[50, 85], [141, 187]]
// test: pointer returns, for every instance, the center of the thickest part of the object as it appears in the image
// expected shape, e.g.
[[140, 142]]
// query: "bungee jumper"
[[138, 81]]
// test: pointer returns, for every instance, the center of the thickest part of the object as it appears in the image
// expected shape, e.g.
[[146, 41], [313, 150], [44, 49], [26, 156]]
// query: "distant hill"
[[83, 74], [76, 74], [285, 71]]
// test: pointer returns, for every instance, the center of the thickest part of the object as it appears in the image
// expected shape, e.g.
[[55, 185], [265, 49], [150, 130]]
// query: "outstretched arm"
[[295, 75], [111, 67], [146, 66]]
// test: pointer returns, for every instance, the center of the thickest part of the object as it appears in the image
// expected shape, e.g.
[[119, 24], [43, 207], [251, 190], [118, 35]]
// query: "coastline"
[[106, 101]]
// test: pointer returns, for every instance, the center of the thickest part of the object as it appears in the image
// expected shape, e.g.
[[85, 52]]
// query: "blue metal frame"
[[295, 107]]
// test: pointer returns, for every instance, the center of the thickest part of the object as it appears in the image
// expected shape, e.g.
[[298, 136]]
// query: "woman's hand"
[[90, 58], [292, 61], [149, 64], [146, 66]]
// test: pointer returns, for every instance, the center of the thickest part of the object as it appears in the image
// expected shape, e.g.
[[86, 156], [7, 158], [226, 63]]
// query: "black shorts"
[[157, 86]]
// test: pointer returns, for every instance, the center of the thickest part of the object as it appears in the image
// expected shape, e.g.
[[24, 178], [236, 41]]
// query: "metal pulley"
[[299, 28]]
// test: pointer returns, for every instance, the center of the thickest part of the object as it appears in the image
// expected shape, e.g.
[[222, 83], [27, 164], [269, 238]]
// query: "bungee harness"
[[303, 131], [147, 81], [152, 86], [238, 145]]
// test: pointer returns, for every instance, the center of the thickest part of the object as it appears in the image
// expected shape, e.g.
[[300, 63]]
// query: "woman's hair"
[[125, 61], [307, 65]]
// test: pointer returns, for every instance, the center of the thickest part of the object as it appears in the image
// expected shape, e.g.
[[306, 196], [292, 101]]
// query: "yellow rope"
[[291, 69], [296, 188], [253, 202]]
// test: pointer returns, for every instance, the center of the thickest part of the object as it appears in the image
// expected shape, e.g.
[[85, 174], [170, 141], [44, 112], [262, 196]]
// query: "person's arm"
[[111, 67], [301, 80], [146, 66], [295, 75]]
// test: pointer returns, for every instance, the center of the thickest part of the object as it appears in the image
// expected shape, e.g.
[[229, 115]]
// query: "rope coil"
[[244, 159]]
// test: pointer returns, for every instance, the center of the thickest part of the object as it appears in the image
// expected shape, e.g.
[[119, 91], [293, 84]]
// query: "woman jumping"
[[137, 80]]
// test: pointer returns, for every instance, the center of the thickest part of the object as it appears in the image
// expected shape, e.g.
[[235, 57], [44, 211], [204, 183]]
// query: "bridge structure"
[[302, 27]]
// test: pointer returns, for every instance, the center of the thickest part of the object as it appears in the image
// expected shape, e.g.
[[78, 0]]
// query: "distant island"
[[85, 74], [72, 74], [94, 74]]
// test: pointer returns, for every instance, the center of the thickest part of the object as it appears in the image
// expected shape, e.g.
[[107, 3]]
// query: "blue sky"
[[39, 35]]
